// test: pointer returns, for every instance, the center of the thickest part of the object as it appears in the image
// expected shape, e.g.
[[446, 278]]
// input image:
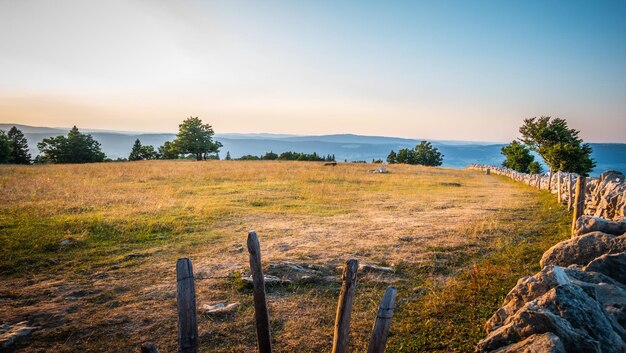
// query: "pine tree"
[[135, 153], [75, 148], [392, 157], [5, 147], [228, 156], [19, 145]]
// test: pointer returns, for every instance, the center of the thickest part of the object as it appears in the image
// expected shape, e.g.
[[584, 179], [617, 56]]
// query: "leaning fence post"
[[579, 203], [383, 322], [263, 335], [187, 321], [344, 307]]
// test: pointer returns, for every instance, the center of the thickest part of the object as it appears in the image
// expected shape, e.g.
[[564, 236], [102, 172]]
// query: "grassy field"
[[88, 252]]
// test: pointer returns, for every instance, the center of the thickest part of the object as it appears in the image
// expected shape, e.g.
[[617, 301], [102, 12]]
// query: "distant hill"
[[348, 147]]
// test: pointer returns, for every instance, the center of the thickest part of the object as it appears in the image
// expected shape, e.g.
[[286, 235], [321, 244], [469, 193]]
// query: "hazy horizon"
[[445, 70]]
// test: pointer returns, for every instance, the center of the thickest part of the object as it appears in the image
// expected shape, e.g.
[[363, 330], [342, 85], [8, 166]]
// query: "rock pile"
[[577, 303]]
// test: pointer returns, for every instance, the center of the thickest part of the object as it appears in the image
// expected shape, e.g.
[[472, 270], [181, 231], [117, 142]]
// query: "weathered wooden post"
[[550, 180], [579, 202], [539, 181], [149, 347], [380, 332], [263, 334], [488, 171], [344, 307], [558, 185], [570, 192], [187, 321]]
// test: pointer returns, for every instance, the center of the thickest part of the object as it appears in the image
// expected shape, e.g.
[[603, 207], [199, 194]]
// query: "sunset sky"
[[467, 70]]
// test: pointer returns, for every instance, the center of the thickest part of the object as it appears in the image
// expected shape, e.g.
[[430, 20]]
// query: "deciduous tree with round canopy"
[[196, 138]]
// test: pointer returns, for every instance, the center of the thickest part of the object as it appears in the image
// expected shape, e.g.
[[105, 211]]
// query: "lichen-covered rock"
[[583, 249], [580, 322], [588, 224]]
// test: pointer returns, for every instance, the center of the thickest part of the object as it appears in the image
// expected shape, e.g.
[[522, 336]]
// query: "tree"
[[558, 145], [535, 168], [75, 148], [392, 158], [5, 147], [249, 157], [140, 153], [423, 154], [135, 152], [406, 156], [196, 138], [427, 154], [19, 147], [169, 150], [148, 153], [227, 156], [518, 157], [269, 156]]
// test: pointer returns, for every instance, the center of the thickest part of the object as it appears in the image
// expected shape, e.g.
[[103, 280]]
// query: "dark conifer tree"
[[19, 147]]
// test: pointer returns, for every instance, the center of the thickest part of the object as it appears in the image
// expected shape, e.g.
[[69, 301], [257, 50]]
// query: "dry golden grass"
[[88, 251]]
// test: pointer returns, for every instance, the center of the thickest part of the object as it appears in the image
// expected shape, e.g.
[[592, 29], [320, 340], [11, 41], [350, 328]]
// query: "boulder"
[[546, 342], [567, 311], [583, 249], [611, 265], [610, 293], [587, 224]]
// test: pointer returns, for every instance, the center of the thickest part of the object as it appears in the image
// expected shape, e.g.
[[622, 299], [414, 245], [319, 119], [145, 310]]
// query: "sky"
[[454, 70]]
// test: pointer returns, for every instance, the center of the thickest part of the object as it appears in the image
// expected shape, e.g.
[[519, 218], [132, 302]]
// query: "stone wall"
[[605, 196], [577, 302]]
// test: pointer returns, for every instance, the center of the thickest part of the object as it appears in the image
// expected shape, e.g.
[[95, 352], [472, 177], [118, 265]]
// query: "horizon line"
[[135, 132]]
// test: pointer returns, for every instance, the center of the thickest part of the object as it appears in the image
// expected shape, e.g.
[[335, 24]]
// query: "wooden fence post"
[[149, 347], [378, 342], [550, 180], [579, 203], [187, 321], [558, 185], [344, 307], [539, 181], [263, 334], [570, 192]]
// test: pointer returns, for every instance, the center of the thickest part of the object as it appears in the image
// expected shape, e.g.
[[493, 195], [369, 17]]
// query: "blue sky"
[[470, 70]]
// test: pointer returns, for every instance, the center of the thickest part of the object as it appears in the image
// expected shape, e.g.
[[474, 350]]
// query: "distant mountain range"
[[348, 147]]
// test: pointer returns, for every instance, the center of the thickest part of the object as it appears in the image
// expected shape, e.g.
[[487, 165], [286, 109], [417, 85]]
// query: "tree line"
[[193, 141], [287, 156]]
